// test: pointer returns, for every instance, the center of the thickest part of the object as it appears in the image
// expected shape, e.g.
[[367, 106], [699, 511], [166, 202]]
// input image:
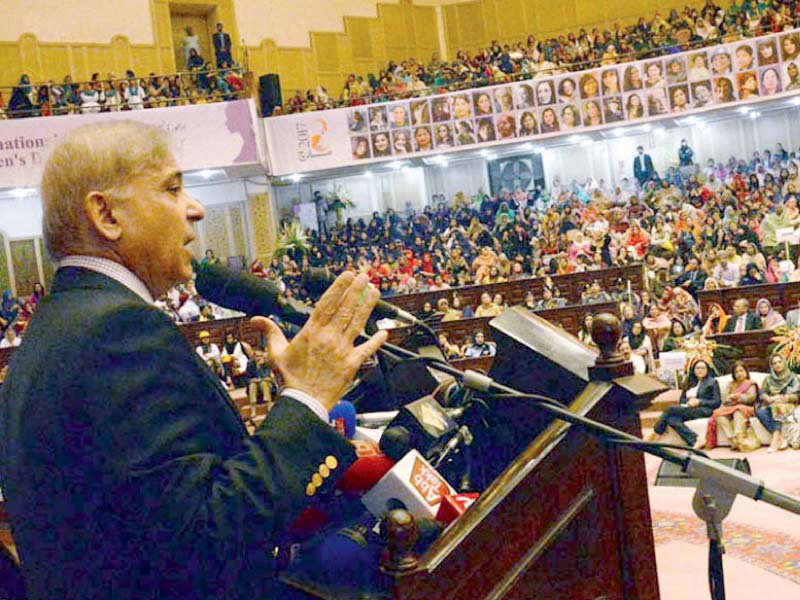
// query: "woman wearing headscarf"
[[770, 318], [698, 400], [683, 307], [641, 344], [738, 407], [753, 275], [717, 318], [638, 240], [779, 394], [657, 325]]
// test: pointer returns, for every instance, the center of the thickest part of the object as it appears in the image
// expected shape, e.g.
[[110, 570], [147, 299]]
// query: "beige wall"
[[76, 20]]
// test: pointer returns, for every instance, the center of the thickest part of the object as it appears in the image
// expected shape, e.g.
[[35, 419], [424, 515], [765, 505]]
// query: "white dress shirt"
[[123, 275]]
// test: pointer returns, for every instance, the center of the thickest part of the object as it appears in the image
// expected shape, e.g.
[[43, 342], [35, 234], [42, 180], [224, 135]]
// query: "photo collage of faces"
[[620, 93]]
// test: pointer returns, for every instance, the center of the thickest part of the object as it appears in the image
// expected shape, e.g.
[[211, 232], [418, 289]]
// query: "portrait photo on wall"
[[632, 78], [357, 120], [592, 113], [524, 96], [465, 133], [567, 90], [401, 141], [589, 86], [461, 107], [527, 123], [610, 82], [613, 110], [767, 52], [657, 102], [744, 57], [441, 109], [377, 118], [570, 117], [484, 130], [698, 66], [420, 112], [360, 145], [747, 85], [770, 80], [505, 126], [545, 93], [444, 135], [723, 90], [548, 120], [398, 115], [791, 76], [679, 98], [503, 99], [654, 74], [721, 62], [634, 106], [483, 103], [702, 94], [790, 46], [676, 70], [423, 139], [381, 146]]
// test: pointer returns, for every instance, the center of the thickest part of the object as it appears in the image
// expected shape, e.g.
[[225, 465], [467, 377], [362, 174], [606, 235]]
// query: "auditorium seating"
[[782, 296], [571, 286]]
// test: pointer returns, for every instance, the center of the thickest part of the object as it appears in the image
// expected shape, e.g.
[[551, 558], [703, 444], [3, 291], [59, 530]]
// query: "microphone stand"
[[717, 487]]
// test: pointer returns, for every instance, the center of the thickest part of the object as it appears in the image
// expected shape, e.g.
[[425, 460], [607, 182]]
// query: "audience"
[[738, 407], [679, 31], [778, 396]]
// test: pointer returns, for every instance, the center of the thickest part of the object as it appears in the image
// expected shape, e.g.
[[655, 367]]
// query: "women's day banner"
[[688, 82], [217, 135]]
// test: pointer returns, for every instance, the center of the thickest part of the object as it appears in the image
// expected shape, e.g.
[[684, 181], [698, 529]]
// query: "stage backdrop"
[[676, 84], [223, 134]]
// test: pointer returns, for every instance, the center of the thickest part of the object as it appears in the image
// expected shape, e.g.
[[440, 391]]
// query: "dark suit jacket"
[[751, 322], [222, 42], [126, 467], [643, 170]]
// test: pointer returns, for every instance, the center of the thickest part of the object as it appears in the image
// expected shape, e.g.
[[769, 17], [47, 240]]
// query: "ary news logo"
[[428, 483], [312, 138]]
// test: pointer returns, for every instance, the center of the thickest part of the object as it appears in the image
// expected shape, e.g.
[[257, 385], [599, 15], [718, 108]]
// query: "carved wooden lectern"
[[569, 518]]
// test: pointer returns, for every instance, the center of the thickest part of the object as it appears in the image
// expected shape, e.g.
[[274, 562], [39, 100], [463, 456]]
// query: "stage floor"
[[762, 542]]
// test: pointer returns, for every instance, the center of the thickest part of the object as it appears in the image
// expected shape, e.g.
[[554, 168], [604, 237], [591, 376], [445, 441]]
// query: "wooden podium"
[[569, 518]]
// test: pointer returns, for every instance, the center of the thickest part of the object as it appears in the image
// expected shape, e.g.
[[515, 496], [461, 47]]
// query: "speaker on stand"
[[269, 93]]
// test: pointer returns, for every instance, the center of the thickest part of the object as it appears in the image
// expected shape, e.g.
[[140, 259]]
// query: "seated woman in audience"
[[467, 312], [657, 325], [427, 311], [770, 318], [738, 407], [753, 276], [779, 396], [698, 400], [641, 345], [233, 347], [451, 351], [717, 318], [585, 332], [487, 307], [530, 301], [449, 313], [479, 347]]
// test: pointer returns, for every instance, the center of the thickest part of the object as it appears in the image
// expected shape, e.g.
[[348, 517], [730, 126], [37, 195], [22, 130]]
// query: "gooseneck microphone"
[[317, 280], [243, 291]]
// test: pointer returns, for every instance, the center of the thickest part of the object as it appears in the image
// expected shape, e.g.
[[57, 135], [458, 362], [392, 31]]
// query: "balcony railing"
[[111, 95]]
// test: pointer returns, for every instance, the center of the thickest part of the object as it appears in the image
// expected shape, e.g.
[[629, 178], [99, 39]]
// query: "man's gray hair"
[[103, 157]]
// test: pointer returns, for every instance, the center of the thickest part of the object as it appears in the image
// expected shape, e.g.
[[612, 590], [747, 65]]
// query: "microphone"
[[242, 291], [343, 418], [368, 469], [412, 484], [452, 507], [422, 422], [317, 279]]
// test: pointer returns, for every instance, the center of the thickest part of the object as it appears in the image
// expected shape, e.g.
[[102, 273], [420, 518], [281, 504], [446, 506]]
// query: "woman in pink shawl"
[[683, 307], [738, 407], [770, 318]]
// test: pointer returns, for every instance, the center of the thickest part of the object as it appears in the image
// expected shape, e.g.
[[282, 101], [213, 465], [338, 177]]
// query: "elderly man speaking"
[[127, 470]]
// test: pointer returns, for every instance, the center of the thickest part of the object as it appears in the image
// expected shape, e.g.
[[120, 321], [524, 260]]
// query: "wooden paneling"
[[783, 297]]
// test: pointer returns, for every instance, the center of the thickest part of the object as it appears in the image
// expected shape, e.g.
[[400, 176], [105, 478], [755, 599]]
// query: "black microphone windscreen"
[[395, 442], [237, 290]]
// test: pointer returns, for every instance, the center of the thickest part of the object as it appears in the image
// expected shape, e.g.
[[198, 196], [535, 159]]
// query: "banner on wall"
[[205, 136], [675, 84]]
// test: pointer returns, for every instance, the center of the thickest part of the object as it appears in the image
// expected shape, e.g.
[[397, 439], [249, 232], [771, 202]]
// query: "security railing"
[[28, 99]]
